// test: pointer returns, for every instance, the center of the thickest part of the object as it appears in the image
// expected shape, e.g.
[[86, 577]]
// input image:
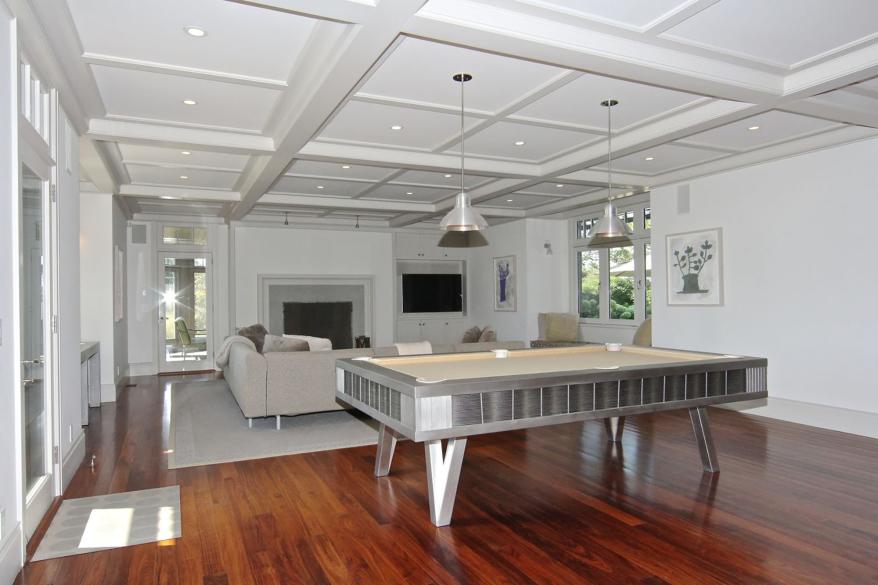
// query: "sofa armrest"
[[246, 376]]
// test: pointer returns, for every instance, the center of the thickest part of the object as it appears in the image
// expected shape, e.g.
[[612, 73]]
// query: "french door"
[[36, 381], [185, 323]]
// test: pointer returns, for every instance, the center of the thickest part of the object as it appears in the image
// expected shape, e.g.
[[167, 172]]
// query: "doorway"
[[185, 312]]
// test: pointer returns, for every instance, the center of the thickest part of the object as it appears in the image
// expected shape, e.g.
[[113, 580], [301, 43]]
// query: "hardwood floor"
[[559, 504]]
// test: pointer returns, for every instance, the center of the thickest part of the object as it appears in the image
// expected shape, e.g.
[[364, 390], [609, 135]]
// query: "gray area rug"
[[85, 525], [207, 427]]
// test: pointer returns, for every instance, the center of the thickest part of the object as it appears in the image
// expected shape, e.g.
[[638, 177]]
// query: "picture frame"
[[505, 277], [695, 268]]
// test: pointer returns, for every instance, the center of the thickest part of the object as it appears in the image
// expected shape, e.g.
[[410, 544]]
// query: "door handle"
[[31, 381], [35, 362]]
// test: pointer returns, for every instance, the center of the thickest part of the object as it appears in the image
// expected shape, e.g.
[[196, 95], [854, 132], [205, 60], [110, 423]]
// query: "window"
[[185, 235], [615, 285]]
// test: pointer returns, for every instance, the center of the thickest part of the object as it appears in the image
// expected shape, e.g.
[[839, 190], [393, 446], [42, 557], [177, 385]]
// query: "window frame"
[[641, 236]]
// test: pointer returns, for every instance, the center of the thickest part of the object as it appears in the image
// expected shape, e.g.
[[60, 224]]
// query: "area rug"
[[207, 427], [85, 525]]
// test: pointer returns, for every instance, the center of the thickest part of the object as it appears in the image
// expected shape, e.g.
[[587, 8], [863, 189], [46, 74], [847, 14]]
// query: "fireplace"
[[330, 320]]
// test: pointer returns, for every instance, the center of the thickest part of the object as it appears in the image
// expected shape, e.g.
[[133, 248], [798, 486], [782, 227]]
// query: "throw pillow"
[[471, 335], [314, 343], [488, 334], [563, 327], [275, 343], [255, 333]]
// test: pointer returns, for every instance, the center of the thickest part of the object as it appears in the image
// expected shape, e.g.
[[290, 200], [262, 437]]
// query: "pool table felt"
[[438, 368]]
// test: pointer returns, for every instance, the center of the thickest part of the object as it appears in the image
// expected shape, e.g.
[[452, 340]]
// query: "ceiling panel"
[[330, 188], [175, 156], [370, 123], [579, 102], [152, 175], [773, 127], [666, 157], [422, 70], [498, 140], [518, 201], [558, 189], [337, 170], [160, 97], [781, 31], [409, 193], [153, 31], [635, 13], [450, 180]]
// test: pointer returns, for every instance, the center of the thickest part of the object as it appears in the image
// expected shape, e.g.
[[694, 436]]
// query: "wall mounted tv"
[[432, 293]]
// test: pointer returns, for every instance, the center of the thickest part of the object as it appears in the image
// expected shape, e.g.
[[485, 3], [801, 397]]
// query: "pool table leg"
[[443, 473], [703, 437], [614, 426], [384, 454]]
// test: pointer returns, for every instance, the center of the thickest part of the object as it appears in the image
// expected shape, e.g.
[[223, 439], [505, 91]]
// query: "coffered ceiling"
[[340, 111]]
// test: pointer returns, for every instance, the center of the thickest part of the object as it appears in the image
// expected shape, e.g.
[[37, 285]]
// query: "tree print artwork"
[[690, 264]]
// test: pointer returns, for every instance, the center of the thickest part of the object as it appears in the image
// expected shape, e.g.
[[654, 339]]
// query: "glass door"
[[35, 384], [185, 312]]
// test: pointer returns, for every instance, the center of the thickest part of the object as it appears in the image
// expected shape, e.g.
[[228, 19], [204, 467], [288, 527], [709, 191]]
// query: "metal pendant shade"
[[609, 231], [463, 223]]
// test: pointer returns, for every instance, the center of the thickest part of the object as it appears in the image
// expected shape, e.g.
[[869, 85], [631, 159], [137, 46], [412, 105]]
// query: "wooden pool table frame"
[[455, 409]]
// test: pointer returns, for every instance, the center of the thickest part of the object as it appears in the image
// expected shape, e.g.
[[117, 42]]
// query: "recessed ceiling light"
[[194, 31], [509, 201], [649, 158], [559, 185], [345, 166], [185, 152], [396, 127], [448, 175], [189, 102], [184, 177], [320, 186], [167, 197], [409, 193], [753, 128], [518, 143]]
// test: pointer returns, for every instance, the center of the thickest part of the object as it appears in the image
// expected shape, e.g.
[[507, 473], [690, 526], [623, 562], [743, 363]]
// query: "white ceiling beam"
[[496, 30], [819, 108], [344, 203], [344, 11], [846, 69], [500, 211], [179, 70], [181, 193], [176, 137], [323, 85], [97, 166]]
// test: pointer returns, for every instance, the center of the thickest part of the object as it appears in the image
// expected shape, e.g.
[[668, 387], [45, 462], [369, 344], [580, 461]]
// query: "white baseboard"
[[833, 418], [72, 460], [108, 393], [10, 555]]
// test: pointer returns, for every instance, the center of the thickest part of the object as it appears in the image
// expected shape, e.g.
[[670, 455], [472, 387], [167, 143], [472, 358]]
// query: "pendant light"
[[463, 223], [609, 231]]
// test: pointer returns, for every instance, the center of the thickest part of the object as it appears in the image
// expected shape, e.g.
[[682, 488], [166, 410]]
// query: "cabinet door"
[[408, 330]]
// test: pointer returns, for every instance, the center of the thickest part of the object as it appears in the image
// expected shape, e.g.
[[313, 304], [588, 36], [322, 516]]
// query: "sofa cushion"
[[488, 334], [471, 335], [255, 333], [278, 343], [562, 327], [314, 343]]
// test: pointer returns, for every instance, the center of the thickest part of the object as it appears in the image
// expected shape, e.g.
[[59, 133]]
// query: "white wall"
[[543, 280], [290, 251], [10, 496], [96, 282], [69, 325], [799, 269], [120, 328]]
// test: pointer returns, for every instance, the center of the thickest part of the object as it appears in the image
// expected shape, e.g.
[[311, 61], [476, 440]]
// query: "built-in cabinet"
[[414, 250]]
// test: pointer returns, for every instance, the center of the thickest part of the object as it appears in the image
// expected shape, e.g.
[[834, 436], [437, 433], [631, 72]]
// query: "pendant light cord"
[[462, 83], [609, 151]]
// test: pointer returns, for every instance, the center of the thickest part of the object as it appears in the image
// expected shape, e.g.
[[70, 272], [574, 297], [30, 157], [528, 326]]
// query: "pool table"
[[428, 398]]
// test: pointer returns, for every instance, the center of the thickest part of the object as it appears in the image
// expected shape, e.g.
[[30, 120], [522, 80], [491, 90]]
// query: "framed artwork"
[[505, 283], [695, 267]]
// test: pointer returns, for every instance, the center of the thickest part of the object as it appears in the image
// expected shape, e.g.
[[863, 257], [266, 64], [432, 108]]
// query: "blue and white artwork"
[[505, 283]]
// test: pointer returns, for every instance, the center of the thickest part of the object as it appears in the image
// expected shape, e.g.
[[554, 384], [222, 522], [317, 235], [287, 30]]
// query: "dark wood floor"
[[558, 504]]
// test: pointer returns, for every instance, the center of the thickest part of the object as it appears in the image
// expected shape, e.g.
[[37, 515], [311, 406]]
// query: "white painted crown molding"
[[181, 193], [161, 135], [342, 11]]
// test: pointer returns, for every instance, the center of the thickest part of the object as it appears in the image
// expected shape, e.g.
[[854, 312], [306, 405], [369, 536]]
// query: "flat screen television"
[[431, 293]]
